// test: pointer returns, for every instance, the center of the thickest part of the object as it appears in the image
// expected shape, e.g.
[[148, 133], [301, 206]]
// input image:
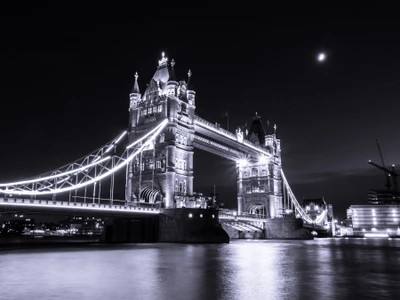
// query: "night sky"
[[65, 80]]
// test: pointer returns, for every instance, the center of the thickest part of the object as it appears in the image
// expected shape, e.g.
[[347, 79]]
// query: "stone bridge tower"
[[259, 178], [163, 173]]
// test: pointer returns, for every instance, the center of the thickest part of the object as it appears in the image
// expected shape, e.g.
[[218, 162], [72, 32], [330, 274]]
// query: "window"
[[151, 164], [159, 108], [254, 172], [158, 164]]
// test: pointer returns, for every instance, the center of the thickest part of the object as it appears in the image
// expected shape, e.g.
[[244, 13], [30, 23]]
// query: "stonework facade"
[[163, 174]]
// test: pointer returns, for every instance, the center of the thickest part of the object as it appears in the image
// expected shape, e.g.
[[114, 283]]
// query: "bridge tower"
[[259, 182], [163, 173]]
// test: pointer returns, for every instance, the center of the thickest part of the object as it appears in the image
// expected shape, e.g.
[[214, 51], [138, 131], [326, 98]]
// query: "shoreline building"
[[375, 220]]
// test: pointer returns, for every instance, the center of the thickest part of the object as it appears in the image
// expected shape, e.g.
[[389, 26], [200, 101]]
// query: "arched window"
[[254, 172]]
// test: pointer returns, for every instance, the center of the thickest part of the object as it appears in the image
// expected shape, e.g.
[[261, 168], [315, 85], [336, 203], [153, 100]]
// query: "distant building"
[[375, 220], [318, 210], [383, 197], [18, 226], [83, 225]]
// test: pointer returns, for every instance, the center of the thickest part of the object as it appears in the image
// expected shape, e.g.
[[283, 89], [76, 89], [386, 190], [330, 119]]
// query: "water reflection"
[[316, 269]]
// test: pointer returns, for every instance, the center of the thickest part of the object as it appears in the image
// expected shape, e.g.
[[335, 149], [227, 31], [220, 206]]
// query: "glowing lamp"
[[243, 162], [263, 159]]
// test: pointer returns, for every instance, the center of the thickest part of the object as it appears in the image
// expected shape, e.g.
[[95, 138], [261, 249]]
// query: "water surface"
[[314, 269]]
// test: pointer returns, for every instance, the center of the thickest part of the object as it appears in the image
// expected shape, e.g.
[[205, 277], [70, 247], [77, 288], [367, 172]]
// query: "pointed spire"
[[172, 71], [189, 83], [163, 59], [135, 89]]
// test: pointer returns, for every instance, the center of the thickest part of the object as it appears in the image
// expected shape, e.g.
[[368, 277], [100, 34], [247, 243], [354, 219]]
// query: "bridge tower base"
[[286, 228], [191, 225]]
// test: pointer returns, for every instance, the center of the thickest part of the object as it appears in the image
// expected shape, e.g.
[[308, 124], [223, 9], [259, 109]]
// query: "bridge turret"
[[191, 94], [172, 84], [257, 132], [135, 98], [273, 145]]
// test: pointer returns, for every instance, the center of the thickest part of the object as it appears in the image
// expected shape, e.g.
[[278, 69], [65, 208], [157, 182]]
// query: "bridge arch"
[[258, 209], [150, 195]]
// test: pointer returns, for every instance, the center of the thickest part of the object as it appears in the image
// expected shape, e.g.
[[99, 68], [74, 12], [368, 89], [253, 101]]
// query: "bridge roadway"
[[66, 207], [107, 210], [216, 140]]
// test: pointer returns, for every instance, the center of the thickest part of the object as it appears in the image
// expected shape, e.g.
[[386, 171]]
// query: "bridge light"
[[243, 162]]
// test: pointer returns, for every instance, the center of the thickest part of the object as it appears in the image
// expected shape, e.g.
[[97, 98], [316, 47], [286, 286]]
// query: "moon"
[[321, 57]]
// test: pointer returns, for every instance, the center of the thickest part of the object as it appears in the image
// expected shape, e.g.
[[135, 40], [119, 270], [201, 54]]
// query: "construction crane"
[[391, 173], [388, 173], [384, 166]]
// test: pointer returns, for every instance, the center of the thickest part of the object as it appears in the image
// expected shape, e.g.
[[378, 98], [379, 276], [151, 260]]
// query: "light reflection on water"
[[316, 269]]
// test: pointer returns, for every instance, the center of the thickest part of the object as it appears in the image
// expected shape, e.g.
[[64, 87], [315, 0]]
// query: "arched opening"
[[259, 210], [150, 195]]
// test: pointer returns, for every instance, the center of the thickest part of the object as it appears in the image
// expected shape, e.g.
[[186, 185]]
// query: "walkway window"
[[151, 164]]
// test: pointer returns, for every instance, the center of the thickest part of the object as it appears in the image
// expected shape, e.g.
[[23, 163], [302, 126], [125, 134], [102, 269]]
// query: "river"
[[326, 268]]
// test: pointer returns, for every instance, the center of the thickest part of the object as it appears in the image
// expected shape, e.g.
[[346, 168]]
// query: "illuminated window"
[[159, 108], [149, 110], [158, 164]]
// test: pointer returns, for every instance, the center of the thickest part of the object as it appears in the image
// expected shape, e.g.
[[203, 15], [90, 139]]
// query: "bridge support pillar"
[[130, 230], [191, 225], [286, 228]]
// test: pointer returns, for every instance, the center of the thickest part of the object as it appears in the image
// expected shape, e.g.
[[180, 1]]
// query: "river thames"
[[329, 268]]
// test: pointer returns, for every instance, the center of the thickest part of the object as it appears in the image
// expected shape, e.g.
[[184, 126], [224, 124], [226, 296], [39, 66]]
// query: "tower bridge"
[[155, 156]]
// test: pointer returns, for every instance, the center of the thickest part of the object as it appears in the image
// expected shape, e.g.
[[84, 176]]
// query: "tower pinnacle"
[[135, 89], [163, 59]]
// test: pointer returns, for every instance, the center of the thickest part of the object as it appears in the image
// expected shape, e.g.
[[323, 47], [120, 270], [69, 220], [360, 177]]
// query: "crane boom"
[[383, 165], [390, 172]]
